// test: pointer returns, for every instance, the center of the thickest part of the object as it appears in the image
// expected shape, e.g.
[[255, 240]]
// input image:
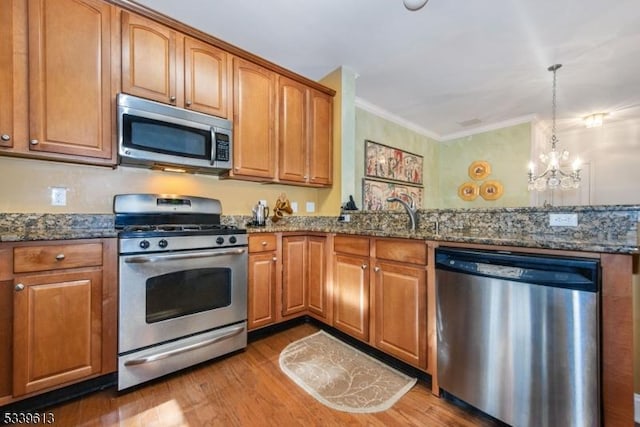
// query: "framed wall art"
[[389, 163], [375, 194]]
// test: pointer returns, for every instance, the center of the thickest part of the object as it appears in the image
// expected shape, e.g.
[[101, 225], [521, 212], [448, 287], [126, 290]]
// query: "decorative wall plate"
[[479, 170], [468, 191], [491, 190]]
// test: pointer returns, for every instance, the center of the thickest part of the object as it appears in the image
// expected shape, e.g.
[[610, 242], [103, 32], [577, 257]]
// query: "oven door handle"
[[142, 259], [175, 352]]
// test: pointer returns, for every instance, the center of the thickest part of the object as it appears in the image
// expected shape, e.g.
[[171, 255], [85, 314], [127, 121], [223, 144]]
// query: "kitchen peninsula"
[[607, 233]]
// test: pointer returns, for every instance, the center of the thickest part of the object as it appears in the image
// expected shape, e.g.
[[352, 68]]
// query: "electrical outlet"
[[344, 218], [311, 207], [563, 220], [59, 196]]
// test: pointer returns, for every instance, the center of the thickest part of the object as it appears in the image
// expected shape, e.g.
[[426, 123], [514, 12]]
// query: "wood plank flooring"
[[248, 389]]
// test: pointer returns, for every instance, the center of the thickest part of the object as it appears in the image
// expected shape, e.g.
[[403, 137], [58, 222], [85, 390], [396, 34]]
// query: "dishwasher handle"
[[570, 273]]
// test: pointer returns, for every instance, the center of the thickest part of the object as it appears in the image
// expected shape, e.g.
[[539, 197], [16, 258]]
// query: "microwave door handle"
[[214, 147], [143, 259]]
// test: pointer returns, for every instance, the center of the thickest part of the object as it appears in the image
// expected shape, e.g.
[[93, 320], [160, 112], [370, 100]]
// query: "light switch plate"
[[563, 220], [294, 207]]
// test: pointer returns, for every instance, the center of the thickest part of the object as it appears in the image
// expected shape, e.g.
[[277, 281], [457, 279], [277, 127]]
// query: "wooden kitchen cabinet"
[[351, 286], [164, 65], [295, 274], [305, 134], [59, 314], [400, 300], [57, 74], [304, 284], [262, 280], [254, 121]]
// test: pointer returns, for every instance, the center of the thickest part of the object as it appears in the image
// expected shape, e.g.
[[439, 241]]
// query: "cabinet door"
[[351, 295], [317, 279], [295, 273], [262, 290], [6, 337], [254, 150], [70, 77], [148, 59], [293, 131], [205, 78], [320, 138], [401, 312], [57, 329], [13, 102]]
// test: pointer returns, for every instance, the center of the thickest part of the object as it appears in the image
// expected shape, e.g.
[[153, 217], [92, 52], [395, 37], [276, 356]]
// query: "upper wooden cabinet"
[[305, 134], [61, 99], [167, 66], [254, 113]]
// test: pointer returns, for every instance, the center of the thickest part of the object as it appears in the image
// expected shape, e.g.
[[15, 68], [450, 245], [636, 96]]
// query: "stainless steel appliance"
[[155, 135], [182, 284], [518, 335], [260, 214]]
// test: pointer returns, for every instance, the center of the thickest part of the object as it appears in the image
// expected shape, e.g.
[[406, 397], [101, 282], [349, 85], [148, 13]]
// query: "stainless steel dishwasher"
[[519, 335]]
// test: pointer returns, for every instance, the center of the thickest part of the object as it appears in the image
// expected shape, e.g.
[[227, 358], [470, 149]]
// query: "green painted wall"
[[507, 151], [375, 128]]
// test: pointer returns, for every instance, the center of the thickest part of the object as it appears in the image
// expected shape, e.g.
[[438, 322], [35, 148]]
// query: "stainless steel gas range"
[[182, 283]]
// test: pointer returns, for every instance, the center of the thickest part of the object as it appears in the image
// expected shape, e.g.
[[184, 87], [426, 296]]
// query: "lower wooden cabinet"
[[57, 329], [58, 318], [351, 295], [304, 281], [262, 278]]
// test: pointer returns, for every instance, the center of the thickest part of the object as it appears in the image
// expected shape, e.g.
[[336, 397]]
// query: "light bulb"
[[414, 5]]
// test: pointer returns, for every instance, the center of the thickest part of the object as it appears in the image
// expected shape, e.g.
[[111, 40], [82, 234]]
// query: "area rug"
[[342, 377]]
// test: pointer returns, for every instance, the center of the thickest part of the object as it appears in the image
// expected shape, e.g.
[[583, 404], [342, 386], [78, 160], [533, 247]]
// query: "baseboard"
[[636, 407]]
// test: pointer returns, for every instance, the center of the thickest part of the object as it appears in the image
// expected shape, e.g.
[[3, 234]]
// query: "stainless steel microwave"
[[160, 136]]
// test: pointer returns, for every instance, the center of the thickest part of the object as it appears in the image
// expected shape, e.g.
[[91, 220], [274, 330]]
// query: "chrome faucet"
[[409, 207]]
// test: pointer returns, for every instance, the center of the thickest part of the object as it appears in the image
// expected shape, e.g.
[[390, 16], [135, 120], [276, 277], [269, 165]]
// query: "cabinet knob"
[[60, 257], [19, 287], [376, 269], [172, 99], [274, 259], [364, 266], [34, 142], [5, 137], [188, 103], [263, 243]]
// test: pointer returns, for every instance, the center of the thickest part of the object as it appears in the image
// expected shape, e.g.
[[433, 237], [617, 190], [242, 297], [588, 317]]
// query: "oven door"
[[165, 296]]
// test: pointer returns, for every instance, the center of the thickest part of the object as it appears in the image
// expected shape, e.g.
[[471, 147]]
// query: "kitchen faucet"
[[409, 207]]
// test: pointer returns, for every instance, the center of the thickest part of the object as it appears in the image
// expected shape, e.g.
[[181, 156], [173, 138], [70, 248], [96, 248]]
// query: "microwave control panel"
[[222, 147]]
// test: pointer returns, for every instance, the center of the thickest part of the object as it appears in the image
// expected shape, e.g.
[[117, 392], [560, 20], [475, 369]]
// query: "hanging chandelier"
[[554, 176]]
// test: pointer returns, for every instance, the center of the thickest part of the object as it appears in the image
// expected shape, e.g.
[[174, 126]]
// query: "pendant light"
[[554, 176]]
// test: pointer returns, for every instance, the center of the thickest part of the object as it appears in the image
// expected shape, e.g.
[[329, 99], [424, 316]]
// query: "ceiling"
[[455, 66]]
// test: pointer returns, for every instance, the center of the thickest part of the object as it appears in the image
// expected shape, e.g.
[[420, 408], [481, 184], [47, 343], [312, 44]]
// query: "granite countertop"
[[601, 230]]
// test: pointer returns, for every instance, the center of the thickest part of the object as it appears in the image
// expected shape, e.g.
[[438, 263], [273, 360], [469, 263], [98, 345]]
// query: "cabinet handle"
[[6, 137], [188, 103], [376, 269], [274, 259], [264, 243], [172, 99], [34, 142], [19, 287], [364, 266], [60, 257]]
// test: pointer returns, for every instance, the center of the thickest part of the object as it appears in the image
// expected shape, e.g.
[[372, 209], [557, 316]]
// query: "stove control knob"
[[144, 244], [232, 239], [220, 240], [163, 243]]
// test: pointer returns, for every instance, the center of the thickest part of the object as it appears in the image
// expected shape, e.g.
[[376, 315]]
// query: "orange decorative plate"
[[491, 190], [479, 170], [468, 191]]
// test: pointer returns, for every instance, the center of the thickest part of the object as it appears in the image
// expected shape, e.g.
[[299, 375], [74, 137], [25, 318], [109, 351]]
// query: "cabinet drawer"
[[54, 257], [408, 251], [351, 245], [262, 243]]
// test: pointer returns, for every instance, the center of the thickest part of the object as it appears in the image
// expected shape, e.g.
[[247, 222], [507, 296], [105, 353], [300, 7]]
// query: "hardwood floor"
[[248, 389]]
